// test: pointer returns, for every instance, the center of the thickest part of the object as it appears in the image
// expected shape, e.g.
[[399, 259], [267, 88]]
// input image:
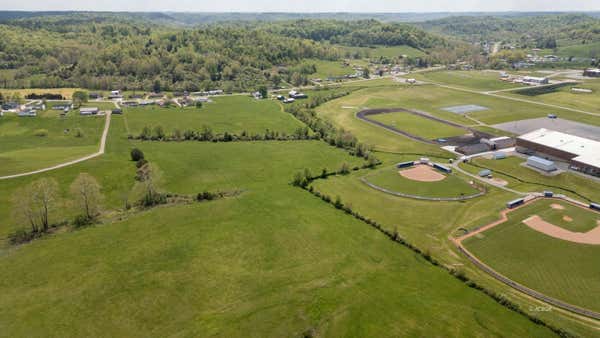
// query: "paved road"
[[66, 164]]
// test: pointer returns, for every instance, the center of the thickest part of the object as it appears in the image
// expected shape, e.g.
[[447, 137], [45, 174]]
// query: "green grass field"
[[274, 261], [418, 125], [561, 269], [532, 180], [29, 143], [381, 51], [451, 186], [582, 220], [327, 69], [233, 114], [477, 80]]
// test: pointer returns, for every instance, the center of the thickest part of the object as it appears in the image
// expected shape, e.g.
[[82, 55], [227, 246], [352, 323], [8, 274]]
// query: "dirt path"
[[66, 164], [536, 223]]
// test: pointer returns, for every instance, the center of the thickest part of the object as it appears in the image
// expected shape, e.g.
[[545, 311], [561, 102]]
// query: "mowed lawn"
[[327, 69], [233, 114], [564, 270], [418, 125], [477, 80], [274, 261], [572, 218], [565, 97], [29, 143], [390, 178], [532, 180]]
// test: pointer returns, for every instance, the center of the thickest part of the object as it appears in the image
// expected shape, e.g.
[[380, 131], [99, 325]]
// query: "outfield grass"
[[233, 114], [23, 146], [418, 125], [477, 80], [389, 178], [534, 181], [274, 261], [560, 269]]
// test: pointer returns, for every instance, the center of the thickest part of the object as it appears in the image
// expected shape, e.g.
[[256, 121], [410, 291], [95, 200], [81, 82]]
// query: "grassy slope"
[[383, 51], [451, 186], [21, 150], [561, 269], [233, 114], [326, 69], [418, 125], [274, 261]]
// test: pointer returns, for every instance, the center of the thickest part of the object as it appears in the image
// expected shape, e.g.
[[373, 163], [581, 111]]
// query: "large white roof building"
[[580, 151]]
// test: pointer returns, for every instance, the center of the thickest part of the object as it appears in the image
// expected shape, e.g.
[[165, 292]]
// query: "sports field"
[[558, 268], [450, 186], [477, 80], [233, 114], [261, 262], [418, 125], [29, 143]]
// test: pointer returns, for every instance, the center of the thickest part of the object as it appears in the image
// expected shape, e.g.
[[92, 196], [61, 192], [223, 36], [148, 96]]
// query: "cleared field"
[[37, 142], [418, 125], [390, 178], [564, 97], [380, 51], [274, 261], [478, 80], [327, 69], [233, 114], [561, 269], [531, 180]]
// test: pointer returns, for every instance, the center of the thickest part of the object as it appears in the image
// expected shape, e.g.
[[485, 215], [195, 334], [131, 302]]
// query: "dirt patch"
[[499, 181], [567, 218], [422, 173], [536, 223], [557, 206]]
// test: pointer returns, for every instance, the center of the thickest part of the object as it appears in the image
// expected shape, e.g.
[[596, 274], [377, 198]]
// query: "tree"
[[263, 91], [366, 73], [85, 190], [35, 203], [80, 97], [136, 154], [146, 188]]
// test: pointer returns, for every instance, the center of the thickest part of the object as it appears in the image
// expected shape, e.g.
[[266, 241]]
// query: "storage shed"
[[541, 163]]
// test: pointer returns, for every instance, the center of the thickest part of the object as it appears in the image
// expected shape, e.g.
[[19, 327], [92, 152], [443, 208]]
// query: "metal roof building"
[[583, 153]]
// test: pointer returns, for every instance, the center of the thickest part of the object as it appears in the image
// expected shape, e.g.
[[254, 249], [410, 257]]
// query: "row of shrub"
[[459, 274], [304, 178], [206, 134]]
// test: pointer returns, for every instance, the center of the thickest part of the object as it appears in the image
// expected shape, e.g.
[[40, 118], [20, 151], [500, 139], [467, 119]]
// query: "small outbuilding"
[[88, 111], [541, 163], [485, 173]]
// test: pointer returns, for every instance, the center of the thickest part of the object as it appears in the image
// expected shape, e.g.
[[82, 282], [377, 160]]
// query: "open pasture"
[[558, 268], [477, 80], [259, 262], [29, 143], [233, 114]]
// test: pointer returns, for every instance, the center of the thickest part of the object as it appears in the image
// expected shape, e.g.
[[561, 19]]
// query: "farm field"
[[327, 69], [29, 143], [265, 256], [418, 125], [233, 114], [477, 80], [525, 179], [564, 97], [564, 270], [390, 178], [381, 51]]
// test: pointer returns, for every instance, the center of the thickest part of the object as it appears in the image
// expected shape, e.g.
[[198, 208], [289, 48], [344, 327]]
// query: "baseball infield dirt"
[[422, 173], [535, 222]]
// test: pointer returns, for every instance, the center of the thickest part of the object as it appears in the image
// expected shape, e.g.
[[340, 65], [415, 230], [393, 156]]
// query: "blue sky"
[[305, 5]]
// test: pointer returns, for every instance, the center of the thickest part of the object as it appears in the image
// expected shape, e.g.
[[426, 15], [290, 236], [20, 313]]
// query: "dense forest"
[[103, 51], [541, 31]]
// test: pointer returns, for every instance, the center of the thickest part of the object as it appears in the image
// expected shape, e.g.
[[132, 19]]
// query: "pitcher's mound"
[[567, 219], [556, 206], [422, 173]]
